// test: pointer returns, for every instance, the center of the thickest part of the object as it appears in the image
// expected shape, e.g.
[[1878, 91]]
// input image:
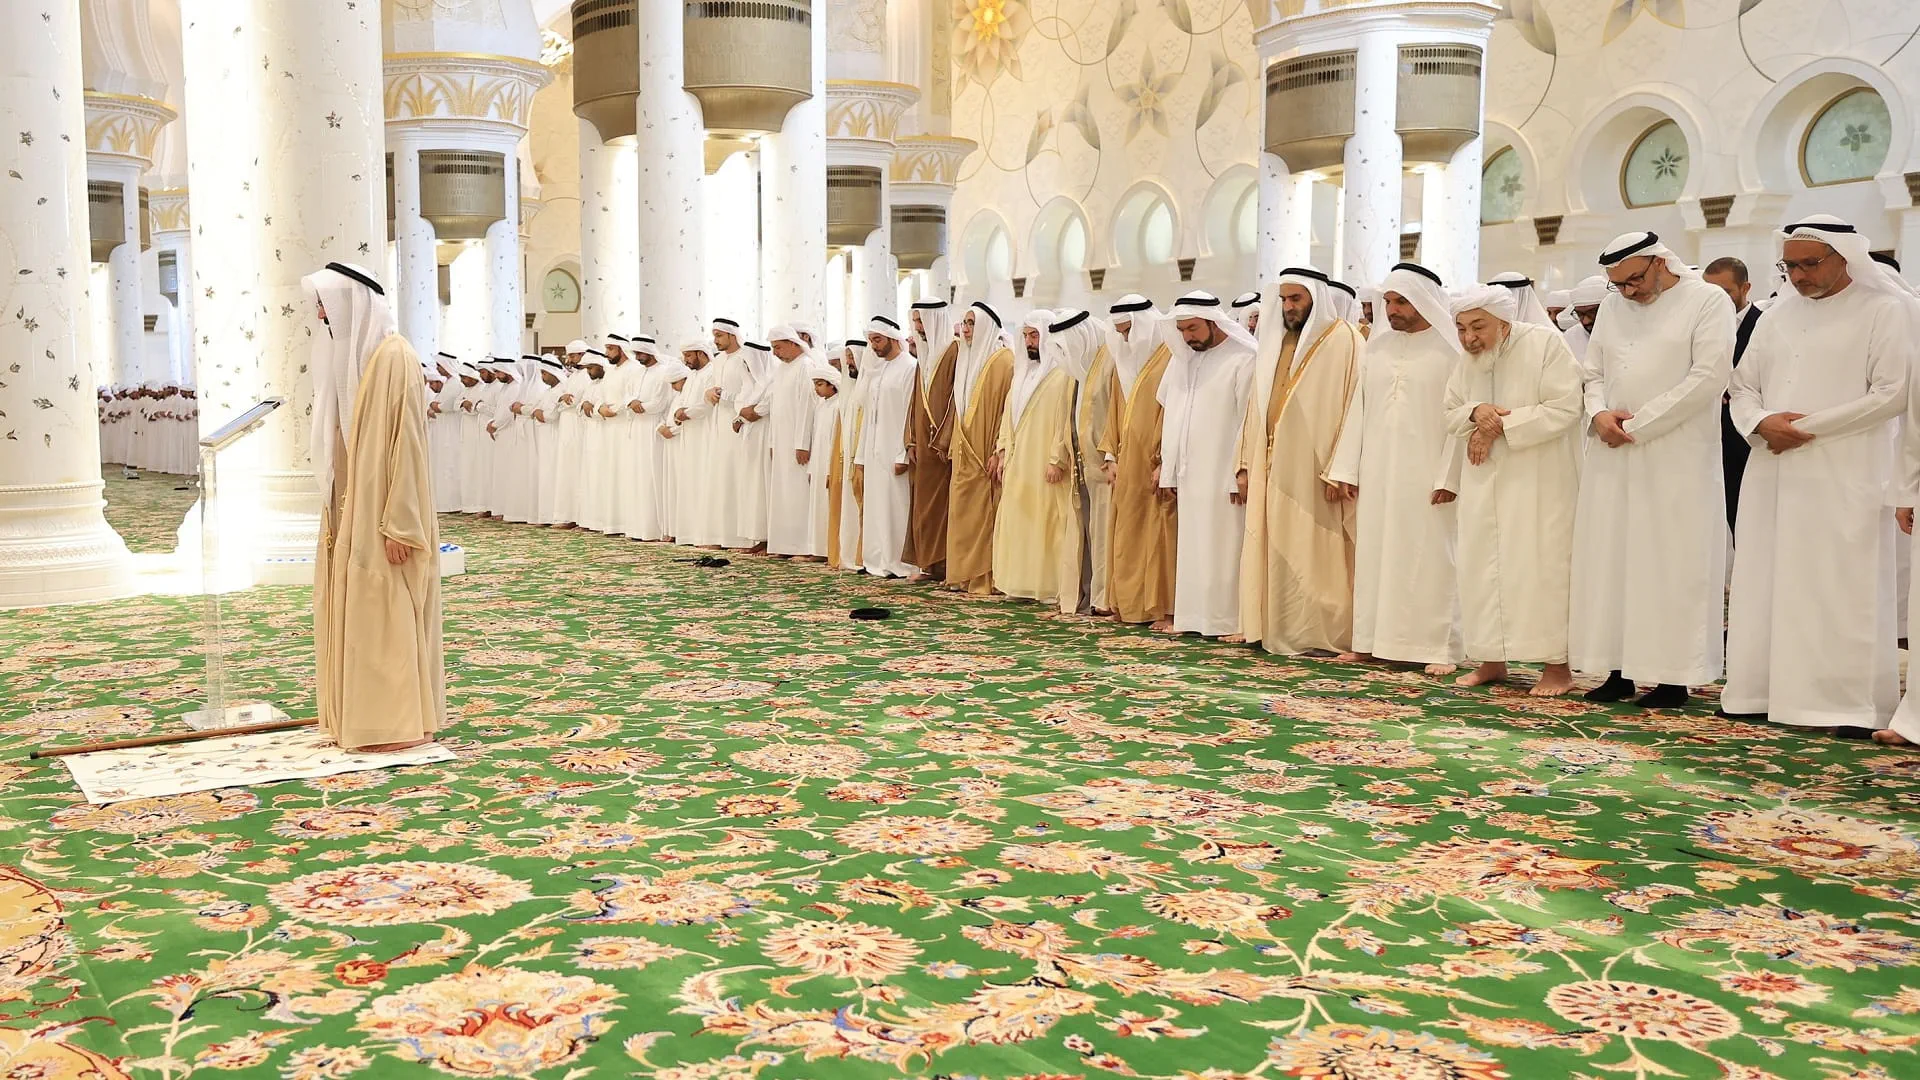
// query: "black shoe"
[[1725, 715], [1664, 696], [1849, 731], [1616, 688]]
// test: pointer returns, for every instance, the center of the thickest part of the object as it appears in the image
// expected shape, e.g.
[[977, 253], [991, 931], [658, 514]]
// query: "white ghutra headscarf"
[[357, 321]]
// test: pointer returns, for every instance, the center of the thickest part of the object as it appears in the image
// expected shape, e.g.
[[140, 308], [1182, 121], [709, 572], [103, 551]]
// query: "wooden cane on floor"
[[169, 740]]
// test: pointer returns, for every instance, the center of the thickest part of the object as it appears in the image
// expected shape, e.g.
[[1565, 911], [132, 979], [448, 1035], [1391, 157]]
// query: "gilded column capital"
[[930, 159], [167, 208], [860, 110], [125, 126], [444, 88]]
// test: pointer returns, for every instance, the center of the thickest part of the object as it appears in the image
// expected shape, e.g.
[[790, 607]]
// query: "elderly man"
[[982, 380], [1649, 568], [1397, 460], [930, 437], [1036, 534], [1296, 572], [1515, 401], [788, 405], [1140, 567], [1810, 619], [1204, 395]]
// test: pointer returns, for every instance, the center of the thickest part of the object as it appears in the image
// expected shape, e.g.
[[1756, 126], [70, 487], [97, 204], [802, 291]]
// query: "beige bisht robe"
[[1092, 414], [929, 435], [1145, 525], [975, 498], [1296, 569], [376, 626], [1036, 538], [837, 493]]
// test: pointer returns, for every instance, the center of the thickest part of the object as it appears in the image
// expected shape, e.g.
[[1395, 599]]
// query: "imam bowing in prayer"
[[1811, 640], [1204, 395], [1650, 534], [980, 387], [1296, 572], [1515, 401], [1036, 536], [882, 460], [1140, 570], [929, 436], [376, 599], [1400, 464]]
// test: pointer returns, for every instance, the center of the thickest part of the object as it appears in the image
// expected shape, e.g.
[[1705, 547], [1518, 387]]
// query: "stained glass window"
[[1502, 188], [1848, 140], [1656, 167]]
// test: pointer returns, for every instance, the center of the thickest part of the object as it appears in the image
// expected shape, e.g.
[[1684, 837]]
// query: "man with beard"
[[930, 437]]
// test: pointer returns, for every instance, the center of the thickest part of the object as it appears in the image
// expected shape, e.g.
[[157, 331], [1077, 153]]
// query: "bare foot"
[[1441, 669], [1482, 675], [391, 747], [1161, 626], [1555, 680], [1099, 614], [1235, 639], [1354, 658], [1890, 737]]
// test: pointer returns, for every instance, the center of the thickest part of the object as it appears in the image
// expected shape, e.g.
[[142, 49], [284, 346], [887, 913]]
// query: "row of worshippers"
[[1459, 486], [154, 426], [712, 447]]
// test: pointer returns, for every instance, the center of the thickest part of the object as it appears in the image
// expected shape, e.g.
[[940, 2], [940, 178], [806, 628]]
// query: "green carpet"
[[705, 827]]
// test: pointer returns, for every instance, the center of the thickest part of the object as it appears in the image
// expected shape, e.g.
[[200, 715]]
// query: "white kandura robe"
[[444, 434], [1396, 448], [788, 403], [476, 449], [746, 449], [1650, 534], [594, 505], [671, 444], [704, 503], [639, 454], [1516, 508], [883, 446], [513, 461], [546, 450], [1811, 639], [1205, 398], [1905, 492], [826, 414], [570, 463]]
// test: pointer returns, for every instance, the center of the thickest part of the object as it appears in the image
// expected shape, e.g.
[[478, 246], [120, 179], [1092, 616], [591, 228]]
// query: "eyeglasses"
[[1633, 282], [1804, 265]]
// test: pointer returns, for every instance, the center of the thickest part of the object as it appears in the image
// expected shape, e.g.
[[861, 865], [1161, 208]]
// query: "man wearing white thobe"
[[1526, 297], [854, 385], [746, 454], [447, 430], [1810, 618], [1204, 394], [1246, 312], [1398, 462], [1585, 298], [1650, 535], [1515, 401], [786, 407], [476, 405], [882, 460]]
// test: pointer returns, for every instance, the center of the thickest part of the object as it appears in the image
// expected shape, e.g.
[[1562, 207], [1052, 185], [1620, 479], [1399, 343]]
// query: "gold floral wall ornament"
[[986, 38]]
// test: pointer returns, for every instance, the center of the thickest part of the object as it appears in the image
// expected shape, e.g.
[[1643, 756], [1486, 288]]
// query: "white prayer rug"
[[148, 772]]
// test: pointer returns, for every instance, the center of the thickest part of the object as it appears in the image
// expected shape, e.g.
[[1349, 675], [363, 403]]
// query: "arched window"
[[1156, 233], [1847, 140], [1655, 170], [1502, 187], [1246, 221], [560, 291], [989, 253]]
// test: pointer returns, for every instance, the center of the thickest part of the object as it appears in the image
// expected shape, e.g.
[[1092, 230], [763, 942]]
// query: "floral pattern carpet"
[[704, 827]]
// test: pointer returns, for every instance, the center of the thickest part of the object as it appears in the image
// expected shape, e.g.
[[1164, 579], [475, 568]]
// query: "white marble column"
[[875, 283], [1461, 219], [126, 351], [170, 234], [730, 236], [1436, 250], [416, 294], [1371, 225], [286, 174], [793, 205], [672, 264], [609, 233], [506, 297], [55, 545]]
